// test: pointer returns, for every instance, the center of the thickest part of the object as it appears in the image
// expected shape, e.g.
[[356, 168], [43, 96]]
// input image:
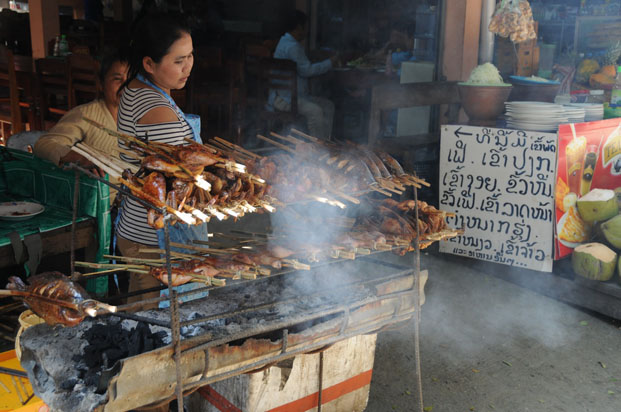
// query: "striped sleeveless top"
[[134, 104]]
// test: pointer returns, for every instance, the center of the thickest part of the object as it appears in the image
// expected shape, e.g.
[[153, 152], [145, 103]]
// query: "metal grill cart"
[[249, 324]]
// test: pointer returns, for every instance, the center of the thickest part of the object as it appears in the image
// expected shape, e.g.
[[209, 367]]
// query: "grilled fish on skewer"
[[52, 296], [391, 163]]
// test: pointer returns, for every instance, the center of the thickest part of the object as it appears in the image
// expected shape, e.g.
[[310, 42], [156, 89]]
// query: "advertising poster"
[[589, 157]]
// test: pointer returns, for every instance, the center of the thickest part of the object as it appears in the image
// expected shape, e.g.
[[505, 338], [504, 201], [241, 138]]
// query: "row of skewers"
[[391, 228], [195, 182], [344, 171], [192, 182]]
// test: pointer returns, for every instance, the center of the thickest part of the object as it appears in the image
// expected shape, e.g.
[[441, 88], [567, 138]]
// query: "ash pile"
[[70, 368]]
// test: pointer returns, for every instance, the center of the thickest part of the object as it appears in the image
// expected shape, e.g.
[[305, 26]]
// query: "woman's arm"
[[160, 114], [58, 141]]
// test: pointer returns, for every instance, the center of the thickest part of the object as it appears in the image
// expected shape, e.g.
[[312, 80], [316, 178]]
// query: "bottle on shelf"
[[63, 48], [615, 95], [56, 51], [389, 63]]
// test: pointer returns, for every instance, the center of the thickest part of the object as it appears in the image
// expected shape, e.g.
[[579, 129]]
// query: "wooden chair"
[[85, 82], [10, 111], [252, 53], [29, 92], [276, 75], [55, 89]]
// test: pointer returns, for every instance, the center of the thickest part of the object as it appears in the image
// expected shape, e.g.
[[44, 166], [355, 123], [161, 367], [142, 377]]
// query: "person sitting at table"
[[55, 145], [399, 39], [318, 111]]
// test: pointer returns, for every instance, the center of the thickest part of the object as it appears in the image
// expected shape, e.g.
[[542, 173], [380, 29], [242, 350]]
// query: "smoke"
[[473, 312], [312, 222]]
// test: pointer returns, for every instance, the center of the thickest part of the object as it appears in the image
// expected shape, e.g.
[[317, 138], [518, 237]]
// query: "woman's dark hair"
[[109, 57], [152, 37]]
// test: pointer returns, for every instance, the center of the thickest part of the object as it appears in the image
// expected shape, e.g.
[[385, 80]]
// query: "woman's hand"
[[73, 157]]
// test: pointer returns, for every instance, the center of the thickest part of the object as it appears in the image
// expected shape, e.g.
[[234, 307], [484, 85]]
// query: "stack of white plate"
[[593, 111], [537, 116], [574, 114]]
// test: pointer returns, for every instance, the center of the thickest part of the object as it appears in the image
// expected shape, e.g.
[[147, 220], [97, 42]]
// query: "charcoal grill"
[[235, 329]]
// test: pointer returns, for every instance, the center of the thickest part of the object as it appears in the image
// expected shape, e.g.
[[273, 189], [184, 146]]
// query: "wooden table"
[[387, 97], [351, 92], [58, 241]]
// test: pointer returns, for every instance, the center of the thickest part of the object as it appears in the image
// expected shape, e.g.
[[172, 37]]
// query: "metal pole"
[[320, 381], [416, 263], [76, 196], [174, 316], [486, 37]]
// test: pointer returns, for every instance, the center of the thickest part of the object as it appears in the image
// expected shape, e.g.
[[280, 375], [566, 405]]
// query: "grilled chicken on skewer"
[[179, 277], [155, 185]]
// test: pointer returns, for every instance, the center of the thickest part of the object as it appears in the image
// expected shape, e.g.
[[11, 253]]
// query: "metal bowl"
[[534, 92]]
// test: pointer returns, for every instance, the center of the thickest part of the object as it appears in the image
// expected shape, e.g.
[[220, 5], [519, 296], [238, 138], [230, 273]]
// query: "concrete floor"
[[489, 345]]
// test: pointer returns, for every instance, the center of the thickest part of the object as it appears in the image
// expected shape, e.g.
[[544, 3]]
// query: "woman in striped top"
[[161, 60]]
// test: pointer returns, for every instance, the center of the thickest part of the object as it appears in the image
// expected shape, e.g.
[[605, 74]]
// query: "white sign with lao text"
[[500, 185]]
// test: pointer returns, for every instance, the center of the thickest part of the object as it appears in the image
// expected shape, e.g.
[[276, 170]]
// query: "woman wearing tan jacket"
[[55, 145]]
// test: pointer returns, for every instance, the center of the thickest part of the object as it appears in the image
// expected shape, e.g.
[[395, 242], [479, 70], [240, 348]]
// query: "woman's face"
[[173, 70], [115, 77]]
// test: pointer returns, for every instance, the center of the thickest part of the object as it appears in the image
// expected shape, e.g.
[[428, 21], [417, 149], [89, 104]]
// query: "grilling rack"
[[196, 344]]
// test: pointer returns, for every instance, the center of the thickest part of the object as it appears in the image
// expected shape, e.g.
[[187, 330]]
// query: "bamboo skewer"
[[279, 145], [99, 156], [307, 136], [115, 162], [101, 272], [344, 196], [230, 149], [109, 266], [135, 260], [289, 139], [88, 306], [126, 152], [110, 171], [377, 189], [295, 264], [238, 148]]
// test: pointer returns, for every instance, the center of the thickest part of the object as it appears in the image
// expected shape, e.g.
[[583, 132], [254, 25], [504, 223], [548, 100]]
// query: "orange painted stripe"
[[328, 394], [5, 356], [217, 400]]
